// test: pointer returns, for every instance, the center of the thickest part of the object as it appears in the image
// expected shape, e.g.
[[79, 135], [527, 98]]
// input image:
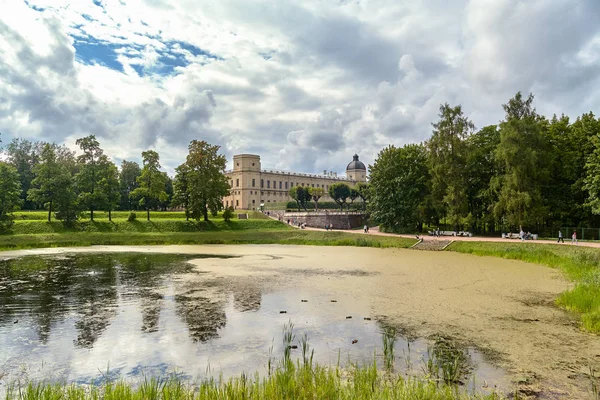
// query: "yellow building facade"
[[252, 186]]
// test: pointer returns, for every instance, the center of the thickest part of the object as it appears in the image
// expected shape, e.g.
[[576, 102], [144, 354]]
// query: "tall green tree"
[[363, 193], [21, 154], [51, 180], [10, 194], [94, 166], [592, 167], [447, 162], [339, 192], [128, 175], [207, 182], [520, 155], [481, 168], [398, 187], [315, 195], [109, 187], [151, 183], [181, 189]]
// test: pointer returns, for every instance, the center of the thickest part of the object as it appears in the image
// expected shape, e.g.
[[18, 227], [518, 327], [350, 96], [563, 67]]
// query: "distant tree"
[[10, 194], [51, 180], [520, 156], [293, 193], [94, 166], [354, 194], [339, 192], [128, 175], [228, 213], [207, 182], [151, 183], [181, 189], [21, 154], [592, 171], [363, 193], [399, 186], [109, 186], [164, 205], [447, 162], [316, 194]]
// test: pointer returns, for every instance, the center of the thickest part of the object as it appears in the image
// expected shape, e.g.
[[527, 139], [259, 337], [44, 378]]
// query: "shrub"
[[132, 217], [228, 213]]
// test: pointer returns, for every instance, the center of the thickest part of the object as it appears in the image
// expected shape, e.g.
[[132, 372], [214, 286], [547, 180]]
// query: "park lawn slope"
[[580, 264], [246, 236]]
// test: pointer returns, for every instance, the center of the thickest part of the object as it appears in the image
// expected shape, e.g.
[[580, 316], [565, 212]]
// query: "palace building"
[[252, 186]]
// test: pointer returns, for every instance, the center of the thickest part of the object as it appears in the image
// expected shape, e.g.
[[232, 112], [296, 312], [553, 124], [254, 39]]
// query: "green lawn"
[[580, 264]]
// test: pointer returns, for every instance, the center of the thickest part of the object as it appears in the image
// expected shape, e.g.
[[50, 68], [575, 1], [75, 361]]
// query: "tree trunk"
[[205, 213], [109, 216], [148, 214], [92, 215], [50, 212], [187, 215]]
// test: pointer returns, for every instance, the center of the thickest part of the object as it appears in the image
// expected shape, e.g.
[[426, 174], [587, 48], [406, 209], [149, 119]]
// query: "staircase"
[[431, 244]]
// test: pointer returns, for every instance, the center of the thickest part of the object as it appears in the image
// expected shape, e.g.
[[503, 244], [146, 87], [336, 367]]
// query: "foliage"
[[181, 189], [339, 192], [302, 196], [52, 183], [21, 154], [447, 164], [132, 217], [10, 194], [207, 184], [228, 213], [363, 193], [151, 183], [398, 186], [128, 175], [315, 195], [520, 156]]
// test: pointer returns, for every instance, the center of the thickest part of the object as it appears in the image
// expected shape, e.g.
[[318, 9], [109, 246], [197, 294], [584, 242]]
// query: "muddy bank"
[[502, 307]]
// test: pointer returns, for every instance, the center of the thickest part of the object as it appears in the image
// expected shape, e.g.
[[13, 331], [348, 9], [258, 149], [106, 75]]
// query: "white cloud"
[[306, 84]]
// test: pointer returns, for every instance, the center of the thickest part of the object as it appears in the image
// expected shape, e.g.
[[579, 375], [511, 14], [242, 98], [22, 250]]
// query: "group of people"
[[525, 236], [573, 237], [366, 229], [299, 224], [329, 227]]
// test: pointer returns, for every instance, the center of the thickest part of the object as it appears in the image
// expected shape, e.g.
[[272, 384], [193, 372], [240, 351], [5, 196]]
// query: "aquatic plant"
[[389, 341], [446, 362]]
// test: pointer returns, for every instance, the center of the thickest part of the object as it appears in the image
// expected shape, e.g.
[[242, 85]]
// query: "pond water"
[[83, 317]]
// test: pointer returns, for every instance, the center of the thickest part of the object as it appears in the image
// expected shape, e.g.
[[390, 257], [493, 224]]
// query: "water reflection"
[[67, 318]]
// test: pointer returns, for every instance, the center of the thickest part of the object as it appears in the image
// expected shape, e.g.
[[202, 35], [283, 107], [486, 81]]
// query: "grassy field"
[[580, 264]]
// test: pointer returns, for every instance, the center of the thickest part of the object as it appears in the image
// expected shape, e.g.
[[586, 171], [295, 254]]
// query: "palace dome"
[[355, 164]]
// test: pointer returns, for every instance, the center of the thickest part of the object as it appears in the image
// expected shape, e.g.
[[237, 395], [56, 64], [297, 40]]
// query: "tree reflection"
[[203, 317]]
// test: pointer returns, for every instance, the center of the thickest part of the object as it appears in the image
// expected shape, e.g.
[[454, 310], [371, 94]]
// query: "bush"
[[228, 213], [132, 217]]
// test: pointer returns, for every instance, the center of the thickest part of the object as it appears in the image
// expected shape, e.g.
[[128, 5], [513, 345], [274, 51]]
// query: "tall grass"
[[580, 264], [389, 341], [289, 380]]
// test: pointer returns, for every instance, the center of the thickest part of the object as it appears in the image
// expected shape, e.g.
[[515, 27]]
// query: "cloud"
[[305, 84]]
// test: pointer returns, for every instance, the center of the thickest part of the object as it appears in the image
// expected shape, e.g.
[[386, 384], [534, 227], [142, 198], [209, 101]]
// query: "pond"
[[85, 317]]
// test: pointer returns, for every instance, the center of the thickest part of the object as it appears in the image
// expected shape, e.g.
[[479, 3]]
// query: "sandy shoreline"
[[503, 307]]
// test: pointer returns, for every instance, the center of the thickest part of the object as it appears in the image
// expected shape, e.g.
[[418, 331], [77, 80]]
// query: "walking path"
[[426, 238]]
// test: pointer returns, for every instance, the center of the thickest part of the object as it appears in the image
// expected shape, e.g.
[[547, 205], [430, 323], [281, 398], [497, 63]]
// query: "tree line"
[[41, 175], [526, 172], [341, 193]]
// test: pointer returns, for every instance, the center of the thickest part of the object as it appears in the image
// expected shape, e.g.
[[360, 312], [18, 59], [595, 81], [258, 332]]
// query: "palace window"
[[268, 184], [313, 185], [291, 184], [253, 201], [286, 185], [253, 182], [237, 202], [280, 184], [262, 183], [237, 183]]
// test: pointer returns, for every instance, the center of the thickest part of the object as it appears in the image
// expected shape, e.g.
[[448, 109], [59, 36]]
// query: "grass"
[[245, 236], [580, 264], [288, 380]]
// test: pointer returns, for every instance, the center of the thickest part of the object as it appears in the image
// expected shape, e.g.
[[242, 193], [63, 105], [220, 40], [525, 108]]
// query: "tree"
[[520, 156], [109, 187], [181, 189], [94, 166], [51, 180], [293, 192], [398, 187], [21, 154], [128, 175], [151, 183], [10, 194], [354, 194], [165, 204], [207, 182], [592, 168], [339, 192], [316, 194], [228, 213], [363, 193], [447, 161]]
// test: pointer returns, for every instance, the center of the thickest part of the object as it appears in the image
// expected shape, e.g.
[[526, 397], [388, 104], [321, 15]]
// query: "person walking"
[[522, 235], [365, 229], [560, 237], [574, 237]]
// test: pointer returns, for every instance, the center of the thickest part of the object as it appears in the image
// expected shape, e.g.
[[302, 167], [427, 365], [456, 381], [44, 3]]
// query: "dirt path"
[[503, 307]]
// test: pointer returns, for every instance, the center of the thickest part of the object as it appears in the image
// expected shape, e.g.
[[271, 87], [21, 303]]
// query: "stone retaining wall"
[[321, 219]]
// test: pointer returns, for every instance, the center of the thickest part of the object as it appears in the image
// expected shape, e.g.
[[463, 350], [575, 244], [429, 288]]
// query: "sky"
[[303, 83]]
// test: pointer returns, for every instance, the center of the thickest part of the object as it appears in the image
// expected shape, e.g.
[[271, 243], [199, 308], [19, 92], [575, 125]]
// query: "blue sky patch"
[[98, 52]]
